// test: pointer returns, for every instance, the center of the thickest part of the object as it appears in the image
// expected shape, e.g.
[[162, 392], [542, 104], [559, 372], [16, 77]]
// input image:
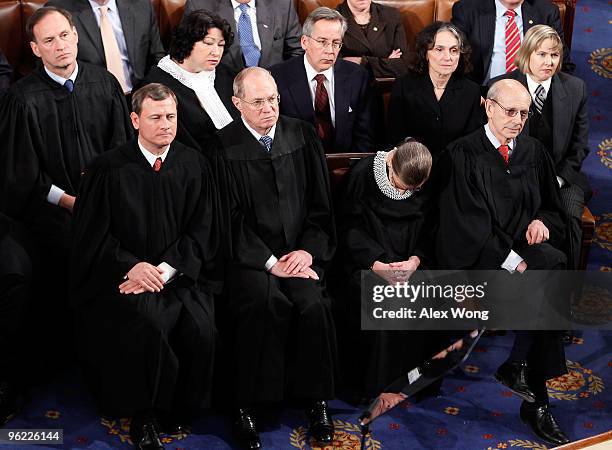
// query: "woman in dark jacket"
[[375, 37], [435, 103], [202, 86]]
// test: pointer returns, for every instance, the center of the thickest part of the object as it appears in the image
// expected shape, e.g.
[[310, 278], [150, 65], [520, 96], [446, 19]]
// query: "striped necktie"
[[157, 164], [266, 141], [513, 40], [540, 98], [245, 32]]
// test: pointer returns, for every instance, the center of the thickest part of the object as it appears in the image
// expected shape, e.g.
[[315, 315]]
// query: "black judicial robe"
[[279, 201], [372, 227], [195, 128], [50, 135], [487, 205], [152, 349]]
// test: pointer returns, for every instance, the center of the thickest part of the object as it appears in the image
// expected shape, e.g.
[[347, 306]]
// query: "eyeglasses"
[[512, 112], [260, 103], [323, 43]]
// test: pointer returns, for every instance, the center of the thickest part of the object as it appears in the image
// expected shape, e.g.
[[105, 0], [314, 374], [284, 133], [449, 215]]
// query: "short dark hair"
[[425, 41], [193, 29], [411, 162], [40, 14], [154, 91]]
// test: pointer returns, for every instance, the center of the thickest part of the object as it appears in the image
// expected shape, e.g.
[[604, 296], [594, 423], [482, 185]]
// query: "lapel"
[[529, 16], [87, 19], [234, 54], [354, 30], [299, 90], [342, 94], [561, 113], [487, 34], [426, 92], [375, 22], [127, 17], [522, 78], [265, 28]]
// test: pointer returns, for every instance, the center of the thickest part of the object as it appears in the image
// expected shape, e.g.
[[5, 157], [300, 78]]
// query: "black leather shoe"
[[543, 424], [144, 432], [8, 402], [321, 426], [245, 429], [514, 376]]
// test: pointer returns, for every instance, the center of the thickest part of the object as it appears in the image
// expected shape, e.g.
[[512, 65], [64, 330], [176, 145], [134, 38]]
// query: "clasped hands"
[[536, 233], [397, 272], [295, 264], [143, 277]]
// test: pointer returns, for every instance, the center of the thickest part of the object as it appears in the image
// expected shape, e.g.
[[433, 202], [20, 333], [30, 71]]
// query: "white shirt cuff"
[[270, 262], [512, 261], [561, 181], [54, 195], [169, 271]]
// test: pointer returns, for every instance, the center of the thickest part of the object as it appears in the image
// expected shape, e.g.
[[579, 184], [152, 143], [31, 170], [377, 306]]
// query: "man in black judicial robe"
[[501, 209], [283, 237], [53, 123], [145, 240]]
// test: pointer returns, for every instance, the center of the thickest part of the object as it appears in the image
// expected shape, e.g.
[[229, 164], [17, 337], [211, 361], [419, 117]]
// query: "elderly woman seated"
[[375, 37], [384, 207], [202, 86]]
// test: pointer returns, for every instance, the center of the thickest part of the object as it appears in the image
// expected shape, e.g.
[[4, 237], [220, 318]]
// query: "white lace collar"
[[382, 179], [189, 79]]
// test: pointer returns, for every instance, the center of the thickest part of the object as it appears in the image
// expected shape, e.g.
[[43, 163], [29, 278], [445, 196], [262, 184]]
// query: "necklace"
[[382, 180]]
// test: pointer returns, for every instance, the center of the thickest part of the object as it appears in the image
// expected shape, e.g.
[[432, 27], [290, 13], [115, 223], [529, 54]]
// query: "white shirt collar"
[[150, 156], [61, 80], [532, 85], [111, 5], [494, 140], [311, 72], [500, 10], [236, 4], [255, 134]]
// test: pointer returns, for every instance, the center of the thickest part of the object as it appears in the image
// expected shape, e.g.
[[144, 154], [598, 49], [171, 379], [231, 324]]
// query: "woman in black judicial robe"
[[380, 225], [202, 86], [435, 103], [562, 125]]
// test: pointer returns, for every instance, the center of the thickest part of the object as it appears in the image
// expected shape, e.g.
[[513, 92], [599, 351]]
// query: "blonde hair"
[[532, 41]]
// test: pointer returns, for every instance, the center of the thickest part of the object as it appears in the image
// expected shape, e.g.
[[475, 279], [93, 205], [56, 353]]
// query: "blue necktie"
[[266, 141], [69, 85], [245, 32]]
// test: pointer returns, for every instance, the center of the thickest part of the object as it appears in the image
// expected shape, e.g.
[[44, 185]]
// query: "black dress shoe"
[[144, 432], [8, 402], [245, 429], [321, 426], [542, 422], [514, 376]]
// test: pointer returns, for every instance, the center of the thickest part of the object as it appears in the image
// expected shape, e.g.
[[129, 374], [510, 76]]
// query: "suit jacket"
[[385, 33], [5, 73], [277, 25], [570, 126], [352, 99], [476, 18], [139, 28]]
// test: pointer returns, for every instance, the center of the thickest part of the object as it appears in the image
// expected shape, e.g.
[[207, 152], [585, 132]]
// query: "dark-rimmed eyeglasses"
[[512, 112]]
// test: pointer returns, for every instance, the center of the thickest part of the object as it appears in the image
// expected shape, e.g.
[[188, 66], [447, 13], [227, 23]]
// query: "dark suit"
[[570, 146], [353, 131], [277, 25], [476, 18], [5, 72], [139, 28], [385, 33], [415, 111]]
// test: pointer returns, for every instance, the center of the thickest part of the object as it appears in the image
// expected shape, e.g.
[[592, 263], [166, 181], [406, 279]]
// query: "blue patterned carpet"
[[474, 412]]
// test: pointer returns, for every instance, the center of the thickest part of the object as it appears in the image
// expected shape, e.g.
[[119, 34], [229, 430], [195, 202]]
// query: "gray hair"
[[238, 85], [322, 13], [411, 161], [155, 91], [495, 90]]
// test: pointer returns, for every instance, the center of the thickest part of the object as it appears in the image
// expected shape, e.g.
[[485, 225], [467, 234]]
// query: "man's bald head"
[[256, 97], [507, 108]]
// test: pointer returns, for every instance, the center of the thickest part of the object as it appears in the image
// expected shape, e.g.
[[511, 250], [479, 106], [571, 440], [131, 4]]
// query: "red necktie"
[[325, 128], [503, 150], [157, 165], [513, 40]]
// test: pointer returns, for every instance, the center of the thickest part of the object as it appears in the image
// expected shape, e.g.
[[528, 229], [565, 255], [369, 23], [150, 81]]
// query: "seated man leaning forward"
[[501, 209], [145, 236], [283, 236]]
